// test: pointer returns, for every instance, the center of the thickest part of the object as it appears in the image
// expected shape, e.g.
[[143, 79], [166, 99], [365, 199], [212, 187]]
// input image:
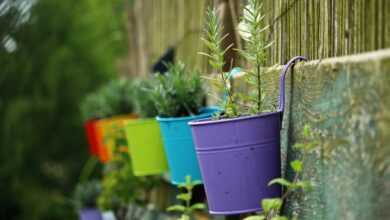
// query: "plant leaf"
[[185, 217], [306, 131], [279, 218], [296, 165], [184, 197], [299, 146], [205, 54], [255, 217], [271, 204], [176, 208], [280, 181], [198, 206], [305, 185], [311, 146]]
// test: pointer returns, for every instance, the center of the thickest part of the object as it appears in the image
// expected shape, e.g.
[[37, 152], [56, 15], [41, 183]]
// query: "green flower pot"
[[146, 147]]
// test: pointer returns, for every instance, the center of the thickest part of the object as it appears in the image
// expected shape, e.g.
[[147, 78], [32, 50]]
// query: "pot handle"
[[289, 64]]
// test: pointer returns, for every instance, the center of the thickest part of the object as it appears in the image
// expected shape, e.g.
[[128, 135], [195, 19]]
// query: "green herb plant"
[[178, 92], [114, 98], [272, 206], [252, 27], [118, 95], [253, 53], [86, 194], [143, 98], [187, 209], [93, 107], [213, 40]]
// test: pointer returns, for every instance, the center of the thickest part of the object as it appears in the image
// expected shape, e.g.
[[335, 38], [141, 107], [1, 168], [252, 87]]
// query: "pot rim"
[[207, 121], [235, 212], [140, 121], [119, 118], [204, 112]]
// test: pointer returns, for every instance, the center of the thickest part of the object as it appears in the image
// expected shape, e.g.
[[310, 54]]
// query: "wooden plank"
[[315, 28]]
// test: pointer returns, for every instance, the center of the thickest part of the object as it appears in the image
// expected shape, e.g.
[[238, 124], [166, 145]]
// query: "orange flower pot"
[[108, 130]]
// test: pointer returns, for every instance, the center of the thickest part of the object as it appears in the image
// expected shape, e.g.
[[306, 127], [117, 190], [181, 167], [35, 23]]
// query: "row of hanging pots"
[[156, 145], [237, 157]]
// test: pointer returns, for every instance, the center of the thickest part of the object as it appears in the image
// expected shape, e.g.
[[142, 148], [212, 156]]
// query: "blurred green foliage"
[[114, 98], [120, 187], [52, 53], [86, 194], [143, 99]]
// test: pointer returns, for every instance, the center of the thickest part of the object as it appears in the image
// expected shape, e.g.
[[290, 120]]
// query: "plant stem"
[[258, 87], [229, 93], [88, 168], [188, 203], [296, 177]]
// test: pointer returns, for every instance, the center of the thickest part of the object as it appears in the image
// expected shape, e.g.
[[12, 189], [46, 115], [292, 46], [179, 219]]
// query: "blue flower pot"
[[179, 146]]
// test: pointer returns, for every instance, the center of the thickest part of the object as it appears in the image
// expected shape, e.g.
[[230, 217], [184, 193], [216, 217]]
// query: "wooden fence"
[[154, 26], [314, 28], [326, 28]]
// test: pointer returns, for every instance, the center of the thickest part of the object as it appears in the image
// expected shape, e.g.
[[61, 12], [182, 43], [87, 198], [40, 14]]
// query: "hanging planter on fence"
[[239, 156], [92, 138], [179, 146], [108, 132], [145, 144]]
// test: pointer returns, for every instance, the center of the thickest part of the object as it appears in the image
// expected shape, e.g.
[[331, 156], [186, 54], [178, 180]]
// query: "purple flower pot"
[[238, 157], [90, 214]]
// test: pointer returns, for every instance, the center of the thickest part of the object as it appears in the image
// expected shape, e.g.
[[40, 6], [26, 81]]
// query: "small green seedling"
[[187, 209], [272, 206]]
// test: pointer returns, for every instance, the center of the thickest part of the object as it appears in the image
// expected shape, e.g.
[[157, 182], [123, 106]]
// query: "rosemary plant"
[[252, 28], [213, 39]]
